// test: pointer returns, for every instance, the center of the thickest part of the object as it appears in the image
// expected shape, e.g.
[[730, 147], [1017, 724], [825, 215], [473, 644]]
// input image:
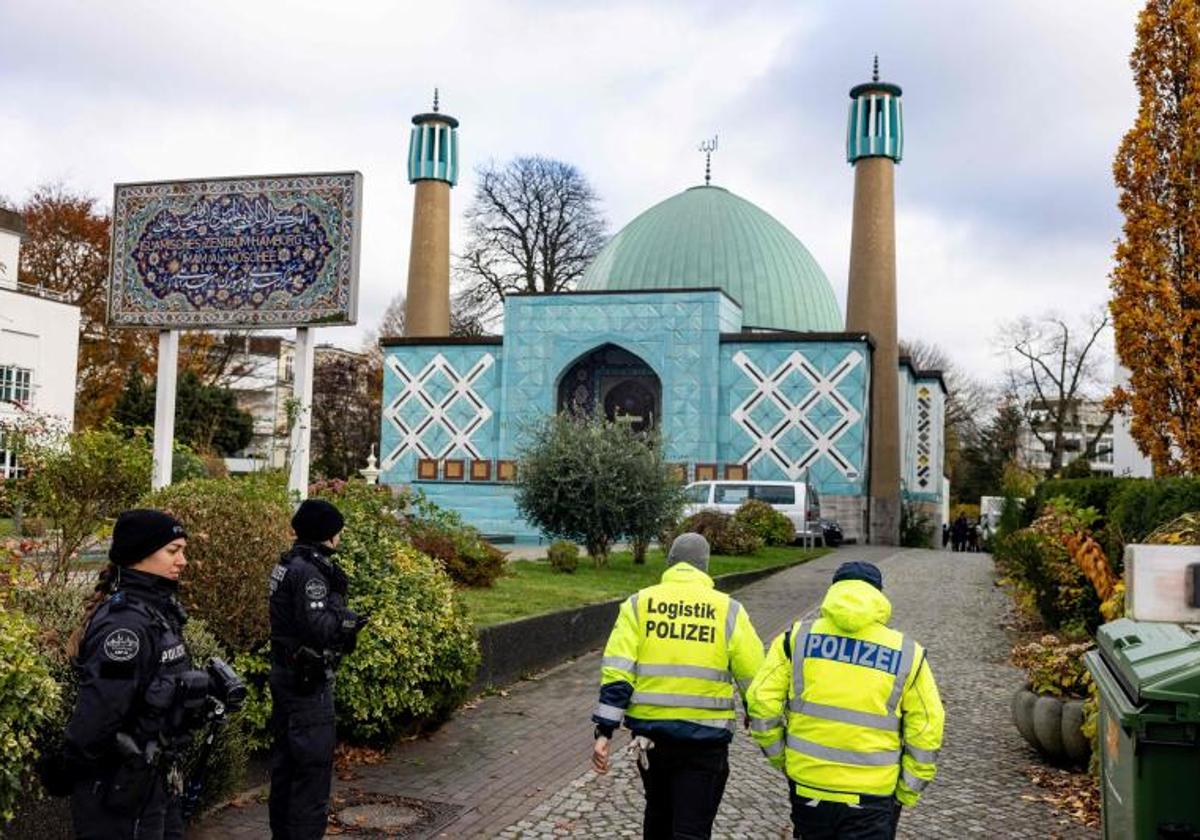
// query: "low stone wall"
[[515, 649]]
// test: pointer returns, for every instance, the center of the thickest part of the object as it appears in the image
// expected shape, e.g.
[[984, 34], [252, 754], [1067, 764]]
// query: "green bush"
[[1095, 493], [1143, 505], [468, 558], [254, 667], [75, 486], [725, 534], [590, 480], [773, 527], [1044, 572], [417, 656], [563, 556], [29, 700], [237, 529], [916, 528]]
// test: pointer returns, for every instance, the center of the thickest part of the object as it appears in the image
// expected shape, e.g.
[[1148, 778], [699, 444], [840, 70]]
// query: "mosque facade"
[[703, 317]]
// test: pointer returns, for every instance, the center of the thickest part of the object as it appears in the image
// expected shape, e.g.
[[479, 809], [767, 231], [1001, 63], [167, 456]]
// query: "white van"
[[798, 501]]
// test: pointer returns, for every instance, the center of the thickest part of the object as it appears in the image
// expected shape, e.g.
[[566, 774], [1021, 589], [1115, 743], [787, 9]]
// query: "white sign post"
[[302, 365], [164, 407]]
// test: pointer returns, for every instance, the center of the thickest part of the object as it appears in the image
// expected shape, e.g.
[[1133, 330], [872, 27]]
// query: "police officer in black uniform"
[[311, 629], [139, 697]]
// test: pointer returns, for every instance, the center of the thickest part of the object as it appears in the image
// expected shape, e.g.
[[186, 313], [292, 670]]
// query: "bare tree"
[[534, 225], [1053, 367], [347, 394]]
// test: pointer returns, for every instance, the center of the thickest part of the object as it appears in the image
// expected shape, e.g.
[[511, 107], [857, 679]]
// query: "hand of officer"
[[600, 755]]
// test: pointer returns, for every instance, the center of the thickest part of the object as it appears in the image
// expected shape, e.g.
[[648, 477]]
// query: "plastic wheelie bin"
[[1148, 676]]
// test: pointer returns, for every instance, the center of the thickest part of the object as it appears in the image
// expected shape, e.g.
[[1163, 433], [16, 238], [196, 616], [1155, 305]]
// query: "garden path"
[[514, 765]]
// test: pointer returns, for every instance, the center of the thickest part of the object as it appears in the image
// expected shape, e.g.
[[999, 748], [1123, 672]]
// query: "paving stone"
[[517, 764]]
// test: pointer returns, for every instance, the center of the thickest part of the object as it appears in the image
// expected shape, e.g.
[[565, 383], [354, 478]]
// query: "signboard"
[[269, 251]]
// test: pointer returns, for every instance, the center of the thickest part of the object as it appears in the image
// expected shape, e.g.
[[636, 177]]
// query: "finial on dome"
[[708, 147], [435, 90], [874, 75]]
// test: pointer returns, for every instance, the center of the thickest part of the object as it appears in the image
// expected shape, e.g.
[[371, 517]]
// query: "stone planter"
[[1051, 726]]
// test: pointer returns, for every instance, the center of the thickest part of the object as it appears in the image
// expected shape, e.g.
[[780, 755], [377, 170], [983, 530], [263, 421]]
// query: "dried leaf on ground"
[[1073, 794]]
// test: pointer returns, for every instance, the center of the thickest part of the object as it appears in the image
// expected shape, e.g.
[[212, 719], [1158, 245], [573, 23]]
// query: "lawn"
[[531, 587]]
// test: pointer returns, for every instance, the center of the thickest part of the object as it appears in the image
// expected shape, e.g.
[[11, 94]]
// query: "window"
[[732, 494], [697, 495], [16, 384], [9, 466], [774, 494]]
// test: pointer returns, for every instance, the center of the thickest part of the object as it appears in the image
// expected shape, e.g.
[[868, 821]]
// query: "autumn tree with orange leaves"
[[65, 254], [1156, 280]]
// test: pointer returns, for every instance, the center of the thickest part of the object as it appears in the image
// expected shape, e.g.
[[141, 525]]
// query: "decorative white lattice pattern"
[[796, 422], [437, 410], [924, 429]]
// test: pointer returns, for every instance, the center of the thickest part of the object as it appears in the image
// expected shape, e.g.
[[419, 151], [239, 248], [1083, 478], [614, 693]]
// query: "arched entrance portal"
[[618, 382]]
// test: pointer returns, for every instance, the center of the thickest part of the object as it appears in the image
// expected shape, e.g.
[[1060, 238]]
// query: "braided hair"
[[105, 585]]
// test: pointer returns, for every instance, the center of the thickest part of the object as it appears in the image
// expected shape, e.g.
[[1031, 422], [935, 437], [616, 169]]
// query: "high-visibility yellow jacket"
[[672, 659], [848, 706]]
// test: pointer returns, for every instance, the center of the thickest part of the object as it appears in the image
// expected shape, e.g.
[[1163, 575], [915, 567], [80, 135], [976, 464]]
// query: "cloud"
[[1013, 112]]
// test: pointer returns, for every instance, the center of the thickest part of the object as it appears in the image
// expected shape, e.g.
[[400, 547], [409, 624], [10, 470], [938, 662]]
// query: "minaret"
[[433, 167], [874, 144]]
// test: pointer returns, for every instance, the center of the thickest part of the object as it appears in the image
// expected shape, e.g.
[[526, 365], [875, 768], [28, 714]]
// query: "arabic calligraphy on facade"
[[232, 251]]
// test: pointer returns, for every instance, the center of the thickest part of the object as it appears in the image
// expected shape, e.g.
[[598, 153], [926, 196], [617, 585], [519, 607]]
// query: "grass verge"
[[531, 587]]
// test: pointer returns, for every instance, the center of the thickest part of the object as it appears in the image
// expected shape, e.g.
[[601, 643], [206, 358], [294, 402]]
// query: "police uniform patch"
[[316, 589], [121, 645]]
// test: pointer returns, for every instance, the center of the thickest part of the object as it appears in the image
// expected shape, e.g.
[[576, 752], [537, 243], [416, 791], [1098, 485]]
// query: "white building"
[[261, 376], [1127, 460], [1083, 423], [39, 344]]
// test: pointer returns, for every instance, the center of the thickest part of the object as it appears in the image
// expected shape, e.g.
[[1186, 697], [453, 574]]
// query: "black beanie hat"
[[141, 532], [857, 570], [316, 520]]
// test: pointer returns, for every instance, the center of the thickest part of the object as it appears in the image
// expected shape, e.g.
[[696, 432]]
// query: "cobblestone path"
[[514, 765]]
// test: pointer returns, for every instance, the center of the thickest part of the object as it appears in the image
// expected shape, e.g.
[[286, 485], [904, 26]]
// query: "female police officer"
[[138, 694]]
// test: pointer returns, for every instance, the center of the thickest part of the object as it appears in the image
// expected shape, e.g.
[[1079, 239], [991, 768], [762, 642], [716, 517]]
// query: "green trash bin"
[[1148, 675]]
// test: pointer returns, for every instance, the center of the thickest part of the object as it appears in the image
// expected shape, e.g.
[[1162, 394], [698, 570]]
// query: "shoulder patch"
[[315, 589], [121, 645], [277, 575]]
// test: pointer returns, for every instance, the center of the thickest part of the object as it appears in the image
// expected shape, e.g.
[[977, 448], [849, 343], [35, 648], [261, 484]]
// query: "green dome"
[[708, 237]]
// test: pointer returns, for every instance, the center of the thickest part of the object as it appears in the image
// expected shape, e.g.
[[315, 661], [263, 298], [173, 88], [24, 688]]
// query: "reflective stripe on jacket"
[[854, 708], [672, 659]]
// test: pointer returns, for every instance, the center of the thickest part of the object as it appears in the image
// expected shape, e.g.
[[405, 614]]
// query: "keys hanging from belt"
[[639, 745]]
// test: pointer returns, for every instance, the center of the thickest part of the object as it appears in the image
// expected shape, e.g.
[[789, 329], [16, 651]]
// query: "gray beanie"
[[691, 549]]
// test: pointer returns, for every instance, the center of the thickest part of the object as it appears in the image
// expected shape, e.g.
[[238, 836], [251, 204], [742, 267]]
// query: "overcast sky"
[[1013, 113]]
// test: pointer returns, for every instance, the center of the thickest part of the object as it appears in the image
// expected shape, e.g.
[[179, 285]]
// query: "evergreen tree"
[[206, 416]]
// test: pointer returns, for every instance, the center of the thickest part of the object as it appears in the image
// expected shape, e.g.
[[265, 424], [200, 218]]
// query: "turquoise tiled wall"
[[677, 334], [705, 384], [431, 410], [813, 397]]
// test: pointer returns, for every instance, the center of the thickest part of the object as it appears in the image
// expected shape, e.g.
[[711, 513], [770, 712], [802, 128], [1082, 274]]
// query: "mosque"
[[704, 317]]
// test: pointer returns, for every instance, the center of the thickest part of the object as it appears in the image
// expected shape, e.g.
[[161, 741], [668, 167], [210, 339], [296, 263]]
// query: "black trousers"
[[160, 819], [874, 818], [684, 785], [303, 733]]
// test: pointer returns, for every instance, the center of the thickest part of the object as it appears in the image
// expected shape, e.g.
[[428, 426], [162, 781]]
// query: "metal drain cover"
[[368, 814], [382, 816]]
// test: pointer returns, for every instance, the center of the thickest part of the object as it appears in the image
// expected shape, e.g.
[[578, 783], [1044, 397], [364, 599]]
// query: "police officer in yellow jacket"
[[669, 670], [849, 709]]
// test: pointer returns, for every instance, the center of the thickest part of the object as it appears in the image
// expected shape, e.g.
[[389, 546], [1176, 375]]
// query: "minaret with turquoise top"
[[874, 145], [433, 168]]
